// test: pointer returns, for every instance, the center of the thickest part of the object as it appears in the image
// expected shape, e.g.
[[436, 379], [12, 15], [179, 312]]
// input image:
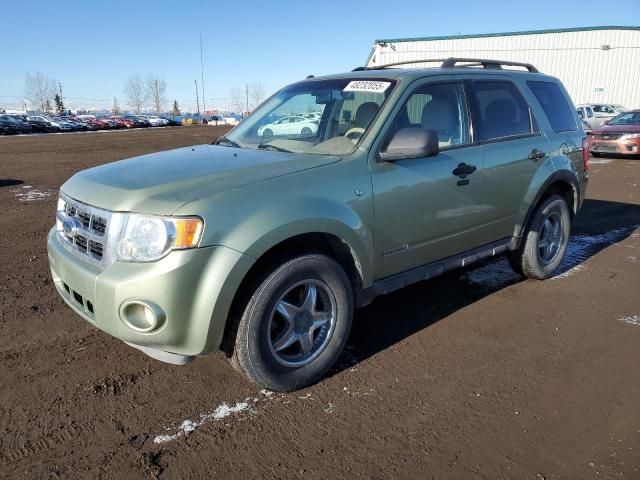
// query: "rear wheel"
[[306, 132], [295, 325], [546, 240]]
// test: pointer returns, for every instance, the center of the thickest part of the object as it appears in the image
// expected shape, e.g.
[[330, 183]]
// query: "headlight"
[[630, 136], [147, 238]]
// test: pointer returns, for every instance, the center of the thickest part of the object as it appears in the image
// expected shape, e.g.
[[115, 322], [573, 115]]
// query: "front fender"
[[258, 232]]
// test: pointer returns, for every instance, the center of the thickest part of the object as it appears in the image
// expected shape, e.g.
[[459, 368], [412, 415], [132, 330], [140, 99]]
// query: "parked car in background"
[[620, 135], [585, 112], [60, 124], [38, 124], [596, 114], [294, 125], [16, 125], [8, 125], [138, 122]]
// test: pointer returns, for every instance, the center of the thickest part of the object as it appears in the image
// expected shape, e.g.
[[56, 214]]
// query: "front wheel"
[[546, 240], [295, 325]]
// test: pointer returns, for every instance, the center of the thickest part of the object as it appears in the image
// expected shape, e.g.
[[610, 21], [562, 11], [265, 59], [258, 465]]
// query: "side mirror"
[[409, 143]]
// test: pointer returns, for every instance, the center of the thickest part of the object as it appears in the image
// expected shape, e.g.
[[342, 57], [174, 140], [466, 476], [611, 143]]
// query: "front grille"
[[608, 136], [91, 228]]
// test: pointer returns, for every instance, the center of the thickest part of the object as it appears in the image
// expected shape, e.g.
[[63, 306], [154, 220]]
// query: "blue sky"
[[93, 47]]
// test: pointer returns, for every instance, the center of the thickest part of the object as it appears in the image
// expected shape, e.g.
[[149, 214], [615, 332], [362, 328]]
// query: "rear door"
[[512, 146]]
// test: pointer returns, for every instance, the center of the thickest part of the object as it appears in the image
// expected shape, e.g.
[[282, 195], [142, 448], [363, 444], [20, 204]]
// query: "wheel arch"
[[279, 252], [561, 182]]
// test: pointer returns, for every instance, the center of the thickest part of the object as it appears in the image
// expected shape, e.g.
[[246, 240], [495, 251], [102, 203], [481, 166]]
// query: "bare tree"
[[156, 89], [237, 96], [39, 89], [257, 94], [135, 92], [115, 108]]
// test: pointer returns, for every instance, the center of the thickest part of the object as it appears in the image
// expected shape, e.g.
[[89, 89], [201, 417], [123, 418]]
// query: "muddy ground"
[[476, 374]]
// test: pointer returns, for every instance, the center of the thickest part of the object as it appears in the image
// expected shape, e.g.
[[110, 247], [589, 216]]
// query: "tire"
[[538, 258], [285, 355], [268, 133], [306, 132], [596, 154]]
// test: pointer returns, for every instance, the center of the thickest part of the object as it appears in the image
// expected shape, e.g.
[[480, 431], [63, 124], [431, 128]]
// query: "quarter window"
[[440, 107], [555, 106], [502, 109]]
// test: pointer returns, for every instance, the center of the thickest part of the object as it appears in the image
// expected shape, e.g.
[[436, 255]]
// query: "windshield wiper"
[[227, 141], [268, 146]]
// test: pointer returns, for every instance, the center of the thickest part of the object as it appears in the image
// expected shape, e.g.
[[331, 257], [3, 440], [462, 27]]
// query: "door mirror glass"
[[409, 143]]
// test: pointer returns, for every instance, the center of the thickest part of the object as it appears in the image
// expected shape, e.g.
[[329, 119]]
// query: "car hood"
[[605, 129], [160, 183]]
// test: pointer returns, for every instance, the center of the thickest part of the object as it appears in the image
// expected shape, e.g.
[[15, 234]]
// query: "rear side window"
[[555, 106], [502, 109]]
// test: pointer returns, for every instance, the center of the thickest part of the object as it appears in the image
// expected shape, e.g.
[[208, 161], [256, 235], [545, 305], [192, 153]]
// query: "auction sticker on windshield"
[[366, 86]]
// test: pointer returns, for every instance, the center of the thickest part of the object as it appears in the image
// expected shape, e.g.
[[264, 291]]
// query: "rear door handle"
[[464, 169], [537, 154]]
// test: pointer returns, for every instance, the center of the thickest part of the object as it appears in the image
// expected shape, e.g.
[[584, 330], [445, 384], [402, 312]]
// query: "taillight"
[[585, 153]]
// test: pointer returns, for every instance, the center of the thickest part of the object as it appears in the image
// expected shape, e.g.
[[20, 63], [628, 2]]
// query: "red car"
[[620, 135]]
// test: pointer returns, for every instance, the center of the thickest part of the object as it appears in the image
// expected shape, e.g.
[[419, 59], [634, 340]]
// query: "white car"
[[157, 121], [292, 125], [596, 114]]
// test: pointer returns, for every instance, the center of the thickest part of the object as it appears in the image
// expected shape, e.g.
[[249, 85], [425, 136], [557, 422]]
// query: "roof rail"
[[476, 62], [452, 62]]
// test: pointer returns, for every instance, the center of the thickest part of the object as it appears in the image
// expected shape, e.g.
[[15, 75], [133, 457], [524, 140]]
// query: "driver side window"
[[440, 107]]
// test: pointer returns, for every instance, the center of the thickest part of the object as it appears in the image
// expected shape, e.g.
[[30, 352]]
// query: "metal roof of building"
[[509, 34]]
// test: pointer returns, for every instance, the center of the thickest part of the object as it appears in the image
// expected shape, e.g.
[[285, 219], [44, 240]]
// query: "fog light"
[[142, 316]]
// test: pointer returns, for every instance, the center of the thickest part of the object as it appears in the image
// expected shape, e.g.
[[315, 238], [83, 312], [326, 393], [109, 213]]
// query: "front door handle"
[[537, 154], [464, 169]]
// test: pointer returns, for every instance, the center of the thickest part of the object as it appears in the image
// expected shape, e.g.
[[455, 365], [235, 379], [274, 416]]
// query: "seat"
[[365, 114], [442, 116], [500, 119]]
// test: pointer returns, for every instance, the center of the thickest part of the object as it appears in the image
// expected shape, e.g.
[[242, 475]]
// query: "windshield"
[[326, 117], [626, 119]]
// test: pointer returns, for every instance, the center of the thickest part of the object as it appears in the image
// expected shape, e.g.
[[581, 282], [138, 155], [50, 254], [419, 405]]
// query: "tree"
[[39, 89], [237, 99], [156, 89], [257, 94], [176, 110], [47, 106], [59, 105], [115, 108], [135, 92]]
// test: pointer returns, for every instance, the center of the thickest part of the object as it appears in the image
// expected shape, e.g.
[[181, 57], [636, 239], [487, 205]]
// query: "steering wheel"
[[354, 133]]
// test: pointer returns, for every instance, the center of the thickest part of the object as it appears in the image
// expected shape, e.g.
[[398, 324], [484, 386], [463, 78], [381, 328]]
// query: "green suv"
[[335, 190]]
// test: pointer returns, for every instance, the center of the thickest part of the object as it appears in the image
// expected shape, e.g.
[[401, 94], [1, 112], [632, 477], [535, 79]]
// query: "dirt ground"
[[476, 374]]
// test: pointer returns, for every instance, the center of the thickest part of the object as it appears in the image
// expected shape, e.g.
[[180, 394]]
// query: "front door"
[[424, 211]]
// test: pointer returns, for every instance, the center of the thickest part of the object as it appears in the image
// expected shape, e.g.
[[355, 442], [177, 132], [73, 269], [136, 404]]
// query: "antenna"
[[204, 108]]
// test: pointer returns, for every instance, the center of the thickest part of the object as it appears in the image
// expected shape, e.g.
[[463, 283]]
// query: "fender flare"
[[565, 176]]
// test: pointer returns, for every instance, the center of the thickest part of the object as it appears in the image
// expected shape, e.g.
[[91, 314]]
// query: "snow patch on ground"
[[632, 320], [498, 273], [188, 426], [600, 161], [27, 193], [582, 247]]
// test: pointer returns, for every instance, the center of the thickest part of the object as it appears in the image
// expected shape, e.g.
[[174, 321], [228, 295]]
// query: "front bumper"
[[621, 147], [194, 288]]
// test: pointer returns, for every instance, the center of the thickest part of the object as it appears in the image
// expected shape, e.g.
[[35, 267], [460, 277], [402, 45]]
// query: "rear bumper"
[[193, 288]]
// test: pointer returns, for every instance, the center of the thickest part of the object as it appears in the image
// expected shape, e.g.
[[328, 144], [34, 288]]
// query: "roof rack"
[[453, 62]]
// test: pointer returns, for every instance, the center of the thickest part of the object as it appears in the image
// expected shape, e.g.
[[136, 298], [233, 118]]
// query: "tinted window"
[[555, 105], [440, 107], [503, 111]]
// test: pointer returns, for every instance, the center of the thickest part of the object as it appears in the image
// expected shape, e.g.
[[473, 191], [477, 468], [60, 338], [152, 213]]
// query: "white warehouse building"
[[596, 64]]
